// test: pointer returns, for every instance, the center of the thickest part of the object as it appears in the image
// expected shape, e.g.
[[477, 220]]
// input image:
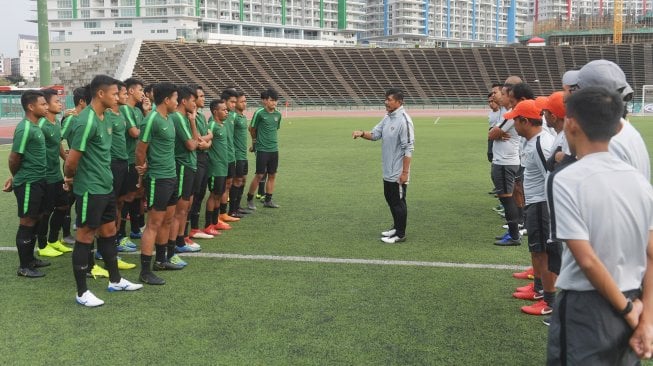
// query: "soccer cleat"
[[260, 196], [70, 240], [498, 208], [98, 255], [29, 272], [186, 249], [251, 205], [151, 279], [166, 266], [176, 259], [389, 233], [528, 288], [125, 265], [523, 232], [58, 245], [124, 247], [98, 271], [528, 274], [88, 299], [519, 226], [270, 204], [210, 230], [49, 251], [504, 236], [38, 263], [134, 235], [538, 308], [393, 239], [221, 225], [244, 211], [226, 218], [124, 285], [530, 295], [191, 243], [198, 234], [508, 242], [236, 214], [547, 320]]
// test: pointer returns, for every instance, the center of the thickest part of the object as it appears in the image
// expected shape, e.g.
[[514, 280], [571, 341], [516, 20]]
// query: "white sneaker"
[[199, 234], [124, 285], [523, 232], [388, 233], [88, 299], [505, 226], [193, 245], [393, 239]]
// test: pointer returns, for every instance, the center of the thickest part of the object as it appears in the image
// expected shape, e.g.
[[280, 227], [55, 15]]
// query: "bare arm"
[[140, 155], [642, 339], [403, 178], [62, 152], [134, 132], [15, 161]]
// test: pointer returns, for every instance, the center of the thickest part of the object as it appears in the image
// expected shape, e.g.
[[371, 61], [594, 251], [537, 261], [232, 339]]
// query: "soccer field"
[[448, 303]]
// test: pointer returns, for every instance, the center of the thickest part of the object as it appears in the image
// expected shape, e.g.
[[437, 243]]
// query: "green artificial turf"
[[258, 312]]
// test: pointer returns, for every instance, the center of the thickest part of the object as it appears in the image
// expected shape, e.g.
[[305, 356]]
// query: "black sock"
[[135, 216], [91, 258], [65, 225], [268, 197], [194, 219], [107, 247], [146, 263], [550, 298], [223, 208], [233, 199], [122, 232], [81, 266], [250, 197], [511, 215], [261, 186], [186, 228], [42, 231], [170, 248], [208, 218], [56, 220], [141, 217], [32, 244], [160, 252], [24, 245], [216, 215], [538, 285]]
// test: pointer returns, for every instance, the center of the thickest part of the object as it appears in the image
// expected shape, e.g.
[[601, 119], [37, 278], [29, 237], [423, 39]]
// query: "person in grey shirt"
[[398, 137]]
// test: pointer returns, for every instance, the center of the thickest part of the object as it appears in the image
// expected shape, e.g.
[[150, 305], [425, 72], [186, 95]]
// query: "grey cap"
[[570, 77], [602, 73]]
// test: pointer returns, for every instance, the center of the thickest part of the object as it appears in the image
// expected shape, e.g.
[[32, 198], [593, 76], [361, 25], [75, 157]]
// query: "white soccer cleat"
[[389, 233], [124, 285], [89, 300], [393, 239]]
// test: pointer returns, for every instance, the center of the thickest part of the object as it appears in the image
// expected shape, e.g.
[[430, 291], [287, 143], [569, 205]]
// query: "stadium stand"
[[357, 76]]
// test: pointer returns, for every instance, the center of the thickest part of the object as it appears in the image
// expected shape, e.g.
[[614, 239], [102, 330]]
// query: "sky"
[[14, 15]]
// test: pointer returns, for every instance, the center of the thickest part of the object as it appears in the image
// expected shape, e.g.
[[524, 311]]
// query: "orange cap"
[[526, 108], [556, 104]]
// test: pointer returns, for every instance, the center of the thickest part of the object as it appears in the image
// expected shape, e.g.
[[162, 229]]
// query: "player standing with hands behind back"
[[396, 130]]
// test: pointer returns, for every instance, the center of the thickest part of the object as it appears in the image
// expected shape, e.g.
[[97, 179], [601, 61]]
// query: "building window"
[[56, 65], [85, 3], [55, 52], [84, 14], [96, 33], [88, 25], [128, 31], [66, 51], [127, 2], [129, 12], [64, 4], [117, 32], [162, 31], [123, 24], [65, 14]]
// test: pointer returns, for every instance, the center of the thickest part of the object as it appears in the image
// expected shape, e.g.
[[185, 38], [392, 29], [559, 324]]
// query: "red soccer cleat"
[[528, 274], [222, 226], [528, 288], [538, 308], [530, 295]]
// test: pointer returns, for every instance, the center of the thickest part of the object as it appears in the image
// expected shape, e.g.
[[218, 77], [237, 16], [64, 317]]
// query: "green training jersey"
[[118, 140], [92, 137], [133, 118], [229, 126], [52, 135], [183, 133], [240, 136], [201, 124], [159, 134], [266, 125], [29, 142], [218, 162], [67, 129]]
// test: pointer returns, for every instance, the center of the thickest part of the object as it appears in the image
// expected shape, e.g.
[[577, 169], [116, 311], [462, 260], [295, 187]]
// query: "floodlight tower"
[[618, 21], [44, 42]]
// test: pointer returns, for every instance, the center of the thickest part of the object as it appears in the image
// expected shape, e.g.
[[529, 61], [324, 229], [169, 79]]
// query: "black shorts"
[[161, 193], [242, 168], [503, 177], [537, 225], [185, 182], [231, 170], [55, 196], [30, 199], [119, 169], [95, 210], [267, 162], [217, 185], [201, 175], [131, 182], [554, 256]]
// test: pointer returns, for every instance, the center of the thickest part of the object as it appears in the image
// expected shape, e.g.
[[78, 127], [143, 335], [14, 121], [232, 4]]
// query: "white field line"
[[436, 121], [378, 262]]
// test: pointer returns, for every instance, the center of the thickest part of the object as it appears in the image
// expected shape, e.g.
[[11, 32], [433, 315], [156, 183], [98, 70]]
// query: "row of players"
[[126, 152], [588, 202]]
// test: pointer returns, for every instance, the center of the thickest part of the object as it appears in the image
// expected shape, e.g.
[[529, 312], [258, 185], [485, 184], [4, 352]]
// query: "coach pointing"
[[398, 135]]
